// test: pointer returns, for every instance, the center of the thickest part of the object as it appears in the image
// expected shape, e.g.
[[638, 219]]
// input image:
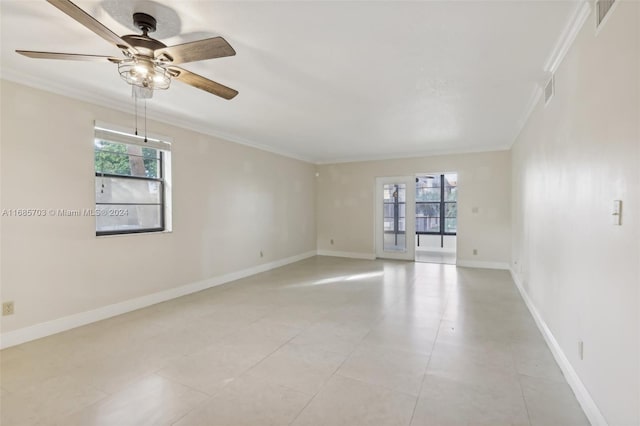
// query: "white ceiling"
[[318, 80]]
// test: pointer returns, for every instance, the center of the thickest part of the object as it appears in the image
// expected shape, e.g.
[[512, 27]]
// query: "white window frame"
[[118, 134]]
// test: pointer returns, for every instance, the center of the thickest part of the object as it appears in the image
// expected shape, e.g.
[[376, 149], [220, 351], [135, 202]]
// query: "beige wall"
[[229, 202], [545, 206], [574, 158], [346, 208]]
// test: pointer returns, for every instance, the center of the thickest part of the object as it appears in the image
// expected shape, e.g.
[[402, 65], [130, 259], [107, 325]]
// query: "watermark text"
[[28, 212]]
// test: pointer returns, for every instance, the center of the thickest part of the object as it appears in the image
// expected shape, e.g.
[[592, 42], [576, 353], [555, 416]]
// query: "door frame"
[[410, 207]]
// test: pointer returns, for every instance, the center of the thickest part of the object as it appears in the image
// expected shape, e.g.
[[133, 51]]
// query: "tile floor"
[[325, 341], [435, 256]]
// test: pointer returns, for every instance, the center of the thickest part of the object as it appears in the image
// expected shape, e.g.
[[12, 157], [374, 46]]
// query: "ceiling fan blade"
[[202, 83], [90, 22], [210, 48], [68, 56]]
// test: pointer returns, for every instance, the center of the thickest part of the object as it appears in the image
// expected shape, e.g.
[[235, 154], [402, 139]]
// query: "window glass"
[[130, 189], [437, 195]]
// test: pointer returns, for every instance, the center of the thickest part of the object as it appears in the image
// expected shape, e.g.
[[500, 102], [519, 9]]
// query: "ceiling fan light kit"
[[143, 70], [148, 64], [145, 74]]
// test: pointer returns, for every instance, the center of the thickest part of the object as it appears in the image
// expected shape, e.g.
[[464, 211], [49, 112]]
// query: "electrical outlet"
[[261, 254], [332, 241], [7, 308], [475, 252]]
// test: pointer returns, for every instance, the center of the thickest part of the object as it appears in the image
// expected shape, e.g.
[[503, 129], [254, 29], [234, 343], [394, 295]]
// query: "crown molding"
[[562, 46], [560, 50], [568, 36], [558, 53], [124, 106], [404, 156]]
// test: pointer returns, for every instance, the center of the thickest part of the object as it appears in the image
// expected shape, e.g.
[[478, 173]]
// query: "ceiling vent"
[[602, 9], [549, 89]]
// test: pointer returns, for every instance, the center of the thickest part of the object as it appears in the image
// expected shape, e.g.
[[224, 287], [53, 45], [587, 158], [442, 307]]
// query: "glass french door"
[[395, 217]]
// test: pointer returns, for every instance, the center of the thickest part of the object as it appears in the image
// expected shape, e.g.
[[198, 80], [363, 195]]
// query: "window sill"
[[134, 234]]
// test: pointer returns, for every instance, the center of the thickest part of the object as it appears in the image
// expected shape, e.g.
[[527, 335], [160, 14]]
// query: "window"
[[437, 204], [131, 182], [394, 216]]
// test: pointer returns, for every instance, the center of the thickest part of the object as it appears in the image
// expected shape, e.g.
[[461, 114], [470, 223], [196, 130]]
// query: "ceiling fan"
[[148, 64]]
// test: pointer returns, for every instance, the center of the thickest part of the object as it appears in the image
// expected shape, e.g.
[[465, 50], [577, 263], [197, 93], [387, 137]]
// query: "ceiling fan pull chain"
[[135, 109], [145, 120]]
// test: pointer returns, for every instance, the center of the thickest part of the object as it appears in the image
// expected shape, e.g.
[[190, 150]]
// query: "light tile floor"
[[435, 256], [325, 341]]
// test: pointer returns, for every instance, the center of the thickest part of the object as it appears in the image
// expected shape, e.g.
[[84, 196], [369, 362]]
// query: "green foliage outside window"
[[127, 160]]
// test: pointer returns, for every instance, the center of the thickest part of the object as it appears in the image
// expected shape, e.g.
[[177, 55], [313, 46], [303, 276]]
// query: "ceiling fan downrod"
[[146, 23]]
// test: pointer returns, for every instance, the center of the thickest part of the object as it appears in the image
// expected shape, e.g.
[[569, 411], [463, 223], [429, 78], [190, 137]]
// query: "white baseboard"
[[26, 334], [351, 255], [583, 396], [482, 264]]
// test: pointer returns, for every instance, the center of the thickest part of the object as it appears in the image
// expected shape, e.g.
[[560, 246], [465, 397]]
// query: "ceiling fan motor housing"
[[146, 23]]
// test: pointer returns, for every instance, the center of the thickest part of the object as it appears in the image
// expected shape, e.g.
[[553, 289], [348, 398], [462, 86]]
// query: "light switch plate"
[[617, 212]]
